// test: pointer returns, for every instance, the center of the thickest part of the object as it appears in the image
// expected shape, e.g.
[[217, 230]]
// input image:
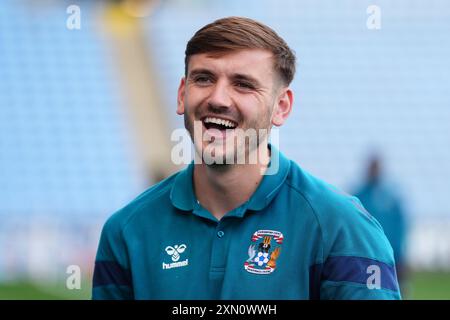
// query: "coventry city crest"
[[264, 251]]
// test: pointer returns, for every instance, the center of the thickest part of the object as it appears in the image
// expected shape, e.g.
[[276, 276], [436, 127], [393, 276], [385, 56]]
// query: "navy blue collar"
[[183, 197]]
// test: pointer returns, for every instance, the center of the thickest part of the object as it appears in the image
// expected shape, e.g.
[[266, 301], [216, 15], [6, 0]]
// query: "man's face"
[[223, 92]]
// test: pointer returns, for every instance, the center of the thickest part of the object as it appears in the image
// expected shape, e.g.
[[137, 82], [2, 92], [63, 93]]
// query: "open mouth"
[[218, 123]]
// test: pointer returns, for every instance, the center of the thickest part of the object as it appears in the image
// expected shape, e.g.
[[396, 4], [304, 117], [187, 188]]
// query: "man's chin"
[[213, 154], [219, 166], [217, 159]]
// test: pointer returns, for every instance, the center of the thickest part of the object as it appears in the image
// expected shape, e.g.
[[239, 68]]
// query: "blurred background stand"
[[86, 117]]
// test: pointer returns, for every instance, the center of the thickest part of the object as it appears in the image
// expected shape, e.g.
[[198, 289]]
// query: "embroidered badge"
[[264, 251]]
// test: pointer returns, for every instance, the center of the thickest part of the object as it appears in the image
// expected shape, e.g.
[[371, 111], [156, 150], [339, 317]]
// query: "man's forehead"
[[255, 62]]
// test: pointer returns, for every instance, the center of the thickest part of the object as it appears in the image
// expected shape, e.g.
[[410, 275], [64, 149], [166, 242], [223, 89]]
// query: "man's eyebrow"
[[235, 76], [196, 72], [246, 77]]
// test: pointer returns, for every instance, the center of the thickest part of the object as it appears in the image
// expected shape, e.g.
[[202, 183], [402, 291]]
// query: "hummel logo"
[[175, 252]]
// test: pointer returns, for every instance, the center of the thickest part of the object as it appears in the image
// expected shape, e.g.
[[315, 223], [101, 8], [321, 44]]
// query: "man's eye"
[[202, 79], [244, 85]]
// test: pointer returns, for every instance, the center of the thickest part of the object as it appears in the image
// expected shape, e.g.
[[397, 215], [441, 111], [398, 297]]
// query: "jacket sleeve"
[[112, 275], [358, 260]]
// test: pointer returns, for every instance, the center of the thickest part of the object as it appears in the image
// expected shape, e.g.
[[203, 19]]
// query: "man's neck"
[[220, 189]]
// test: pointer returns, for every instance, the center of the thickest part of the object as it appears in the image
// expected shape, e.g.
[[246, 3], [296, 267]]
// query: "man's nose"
[[220, 95]]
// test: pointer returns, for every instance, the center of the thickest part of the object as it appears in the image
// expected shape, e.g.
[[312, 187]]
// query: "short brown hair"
[[237, 33]]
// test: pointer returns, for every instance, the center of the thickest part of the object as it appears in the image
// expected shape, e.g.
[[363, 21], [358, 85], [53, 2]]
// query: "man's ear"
[[180, 98], [283, 107]]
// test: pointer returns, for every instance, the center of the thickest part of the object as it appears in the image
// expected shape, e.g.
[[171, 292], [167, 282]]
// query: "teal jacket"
[[297, 237]]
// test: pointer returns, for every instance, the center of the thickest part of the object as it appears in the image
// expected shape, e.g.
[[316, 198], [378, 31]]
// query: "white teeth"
[[222, 122]]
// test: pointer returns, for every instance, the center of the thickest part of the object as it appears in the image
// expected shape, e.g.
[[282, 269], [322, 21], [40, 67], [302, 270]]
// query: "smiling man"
[[242, 221]]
